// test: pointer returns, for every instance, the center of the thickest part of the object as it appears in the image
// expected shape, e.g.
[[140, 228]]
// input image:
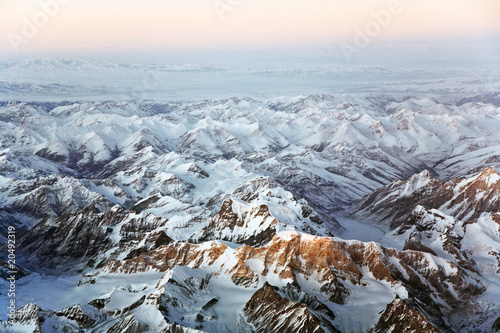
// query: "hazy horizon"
[[224, 48]]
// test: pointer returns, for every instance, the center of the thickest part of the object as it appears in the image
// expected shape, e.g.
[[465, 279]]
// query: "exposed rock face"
[[246, 218], [402, 194], [496, 325], [197, 171], [332, 264], [151, 242], [29, 315], [176, 328], [435, 232], [185, 297], [32, 318], [254, 226], [267, 190], [267, 311], [88, 233], [128, 325], [400, 317], [319, 309], [464, 199], [476, 195], [286, 256], [99, 303], [471, 246], [76, 314], [43, 198], [166, 257], [72, 237], [468, 244]]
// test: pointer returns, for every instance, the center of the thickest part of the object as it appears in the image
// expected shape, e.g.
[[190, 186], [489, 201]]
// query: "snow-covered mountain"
[[464, 198], [228, 215]]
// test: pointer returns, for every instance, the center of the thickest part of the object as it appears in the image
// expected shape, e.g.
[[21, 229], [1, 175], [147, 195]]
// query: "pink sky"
[[92, 24]]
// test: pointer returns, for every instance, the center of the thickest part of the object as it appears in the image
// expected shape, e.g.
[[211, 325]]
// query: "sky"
[[32, 27]]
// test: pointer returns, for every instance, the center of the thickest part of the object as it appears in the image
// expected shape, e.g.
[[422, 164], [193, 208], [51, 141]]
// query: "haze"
[[97, 26]]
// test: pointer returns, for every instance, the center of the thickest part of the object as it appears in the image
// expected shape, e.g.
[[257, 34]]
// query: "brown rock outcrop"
[[267, 311], [400, 317]]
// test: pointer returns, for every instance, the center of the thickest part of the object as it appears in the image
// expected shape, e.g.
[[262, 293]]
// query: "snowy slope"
[[463, 198]]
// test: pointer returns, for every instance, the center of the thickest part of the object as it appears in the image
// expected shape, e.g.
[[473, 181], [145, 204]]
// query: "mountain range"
[[314, 213]]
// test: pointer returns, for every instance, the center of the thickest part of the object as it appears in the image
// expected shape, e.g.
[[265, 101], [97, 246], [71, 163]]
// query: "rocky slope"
[[267, 311], [464, 198], [318, 282], [399, 317], [324, 276]]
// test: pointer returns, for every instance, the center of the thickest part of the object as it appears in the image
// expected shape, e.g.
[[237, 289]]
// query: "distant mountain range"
[[223, 76]]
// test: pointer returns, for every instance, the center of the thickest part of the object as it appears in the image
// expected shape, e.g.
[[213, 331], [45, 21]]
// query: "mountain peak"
[[485, 180], [490, 173], [423, 175]]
